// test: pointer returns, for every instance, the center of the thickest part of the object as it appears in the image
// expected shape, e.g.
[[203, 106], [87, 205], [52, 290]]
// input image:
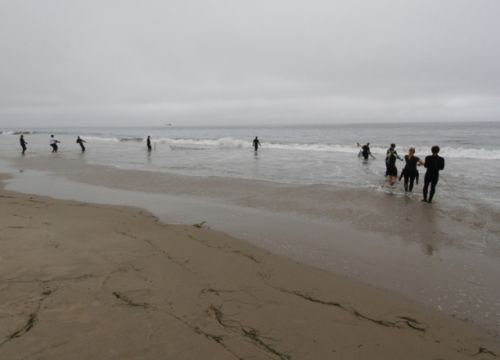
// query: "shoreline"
[[447, 261], [133, 286]]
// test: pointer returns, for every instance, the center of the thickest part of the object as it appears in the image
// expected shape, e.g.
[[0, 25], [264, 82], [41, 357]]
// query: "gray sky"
[[151, 62]]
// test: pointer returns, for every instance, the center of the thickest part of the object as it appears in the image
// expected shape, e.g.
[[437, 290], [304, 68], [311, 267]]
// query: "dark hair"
[[435, 149], [393, 145]]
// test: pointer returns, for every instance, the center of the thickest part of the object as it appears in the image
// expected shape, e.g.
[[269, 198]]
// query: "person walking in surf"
[[256, 143], [410, 172], [80, 142], [148, 143], [365, 151], [434, 164], [53, 144], [391, 171], [23, 143]]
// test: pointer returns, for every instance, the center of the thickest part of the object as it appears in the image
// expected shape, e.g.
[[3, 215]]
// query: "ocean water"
[[290, 154]]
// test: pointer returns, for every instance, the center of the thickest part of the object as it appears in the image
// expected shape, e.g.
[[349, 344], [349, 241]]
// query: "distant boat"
[[169, 124]]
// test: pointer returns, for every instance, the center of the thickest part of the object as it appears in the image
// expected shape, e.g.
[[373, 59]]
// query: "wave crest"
[[229, 143]]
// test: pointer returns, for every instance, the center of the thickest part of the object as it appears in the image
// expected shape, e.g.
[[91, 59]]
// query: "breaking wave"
[[228, 143], [21, 132], [459, 152]]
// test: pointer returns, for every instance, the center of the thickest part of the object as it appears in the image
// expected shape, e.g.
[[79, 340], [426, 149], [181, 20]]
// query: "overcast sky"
[[151, 62]]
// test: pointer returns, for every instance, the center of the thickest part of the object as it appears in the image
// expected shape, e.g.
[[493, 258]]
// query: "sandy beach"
[[82, 281], [446, 258]]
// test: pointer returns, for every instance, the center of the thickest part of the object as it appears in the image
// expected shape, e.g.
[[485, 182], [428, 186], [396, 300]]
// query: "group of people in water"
[[433, 164], [53, 143]]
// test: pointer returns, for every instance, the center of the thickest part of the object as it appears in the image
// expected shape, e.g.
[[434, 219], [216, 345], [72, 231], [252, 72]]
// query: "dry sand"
[[81, 281]]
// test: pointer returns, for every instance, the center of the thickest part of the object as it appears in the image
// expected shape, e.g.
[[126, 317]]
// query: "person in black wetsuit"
[[434, 163], [23, 143], [391, 171], [148, 143], [256, 143], [365, 151], [80, 142], [410, 172]]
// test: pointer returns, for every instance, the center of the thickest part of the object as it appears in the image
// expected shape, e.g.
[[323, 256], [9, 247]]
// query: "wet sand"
[[82, 281], [445, 258]]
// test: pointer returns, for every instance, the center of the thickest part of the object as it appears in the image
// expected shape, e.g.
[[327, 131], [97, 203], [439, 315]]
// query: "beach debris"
[[200, 225], [217, 338], [254, 336], [483, 350], [31, 321], [414, 324], [124, 298], [248, 332], [408, 321]]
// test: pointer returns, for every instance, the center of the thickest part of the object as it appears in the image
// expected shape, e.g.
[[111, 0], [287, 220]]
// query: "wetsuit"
[[433, 163], [148, 143], [410, 172], [390, 163], [53, 145], [80, 142], [365, 151], [23, 144], [256, 144]]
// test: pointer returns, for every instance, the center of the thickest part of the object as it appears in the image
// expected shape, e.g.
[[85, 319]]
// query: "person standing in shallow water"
[[148, 143], [53, 144], [365, 151], [434, 164], [23, 143], [256, 143], [80, 142], [391, 171], [410, 172]]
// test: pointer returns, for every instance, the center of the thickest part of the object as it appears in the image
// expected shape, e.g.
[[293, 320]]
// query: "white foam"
[[464, 153], [19, 132], [225, 143], [228, 142], [98, 138]]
